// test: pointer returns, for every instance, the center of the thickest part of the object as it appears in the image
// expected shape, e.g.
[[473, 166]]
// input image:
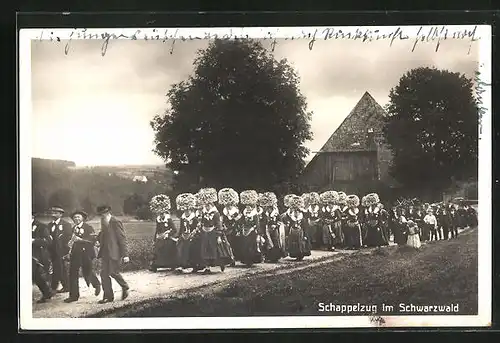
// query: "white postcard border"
[[26, 320]]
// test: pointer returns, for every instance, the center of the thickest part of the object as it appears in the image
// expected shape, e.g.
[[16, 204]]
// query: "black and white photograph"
[[225, 178]]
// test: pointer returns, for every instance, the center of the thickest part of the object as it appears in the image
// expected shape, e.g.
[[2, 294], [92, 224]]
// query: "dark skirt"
[[165, 254], [315, 234], [400, 237], [298, 244], [209, 249], [184, 253], [224, 252], [352, 232], [326, 236], [338, 239], [278, 249], [251, 250], [387, 232], [235, 243], [375, 236], [195, 260]]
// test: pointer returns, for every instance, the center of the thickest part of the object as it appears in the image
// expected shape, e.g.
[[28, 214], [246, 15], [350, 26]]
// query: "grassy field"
[[441, 273]]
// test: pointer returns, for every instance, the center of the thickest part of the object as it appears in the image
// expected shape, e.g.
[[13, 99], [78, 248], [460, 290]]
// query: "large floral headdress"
[[372, 199], [268, 199], [228, 196], [249, 197], [352, 200], [159, 204], [185, 201], [329, 198], [208, 196]]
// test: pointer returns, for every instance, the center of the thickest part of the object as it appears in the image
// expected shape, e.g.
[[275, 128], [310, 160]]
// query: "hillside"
[[61, 183]]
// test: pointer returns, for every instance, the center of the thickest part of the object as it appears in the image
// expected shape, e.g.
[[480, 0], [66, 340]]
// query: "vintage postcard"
[[283, 177]]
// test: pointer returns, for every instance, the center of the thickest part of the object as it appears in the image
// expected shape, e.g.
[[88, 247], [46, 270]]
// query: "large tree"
[[432, 129], [239, 121]]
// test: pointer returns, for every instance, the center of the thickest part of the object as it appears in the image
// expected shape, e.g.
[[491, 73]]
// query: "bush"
[[139, 251]]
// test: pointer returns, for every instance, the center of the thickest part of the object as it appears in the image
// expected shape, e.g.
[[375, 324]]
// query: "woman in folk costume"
[[342, 205], [195, 247], [231, 215], [362, 220], [259, 208], [413, 235], [298, 245], [251, 243], [331, 233], [352, 225], [264, 203], [165, 250], [375, 235], [186, 203], [211, 233], [286, 202], [393, 223], [312, 219], [271, 222]]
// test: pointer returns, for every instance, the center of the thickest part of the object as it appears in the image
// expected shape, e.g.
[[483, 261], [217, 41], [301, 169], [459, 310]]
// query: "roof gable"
[[352, 134]]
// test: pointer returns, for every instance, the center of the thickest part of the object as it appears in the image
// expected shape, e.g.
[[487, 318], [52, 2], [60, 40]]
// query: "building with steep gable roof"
[[354, 159]]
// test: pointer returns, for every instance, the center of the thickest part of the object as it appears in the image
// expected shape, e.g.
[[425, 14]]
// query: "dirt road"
[[145, 284]]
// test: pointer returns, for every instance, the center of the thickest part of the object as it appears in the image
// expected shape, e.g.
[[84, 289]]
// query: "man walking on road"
[[41, 241], [61, 232], [80, 256], [112, 252]]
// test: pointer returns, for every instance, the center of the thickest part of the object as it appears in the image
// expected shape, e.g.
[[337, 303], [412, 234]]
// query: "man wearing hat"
[[40, 258], [60, 232], [81, 255], [112, 252]]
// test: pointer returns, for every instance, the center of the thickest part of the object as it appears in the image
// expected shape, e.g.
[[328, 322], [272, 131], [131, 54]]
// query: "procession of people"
[[220, 229], [59, 244]]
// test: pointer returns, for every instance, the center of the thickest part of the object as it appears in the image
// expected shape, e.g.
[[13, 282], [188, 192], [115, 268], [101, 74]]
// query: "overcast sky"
[[96, 110]]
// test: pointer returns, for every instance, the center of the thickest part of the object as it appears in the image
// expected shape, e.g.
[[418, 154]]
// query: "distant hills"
[[47, 163], [62, 183]]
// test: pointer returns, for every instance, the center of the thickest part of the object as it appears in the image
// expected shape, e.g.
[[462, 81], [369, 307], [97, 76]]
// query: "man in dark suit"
[[61, 232], [41, 240], [112, 252], [445, 220], [81, 255], [472, 217]]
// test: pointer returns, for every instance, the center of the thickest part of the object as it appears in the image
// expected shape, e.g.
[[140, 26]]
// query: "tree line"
[[241, 121]]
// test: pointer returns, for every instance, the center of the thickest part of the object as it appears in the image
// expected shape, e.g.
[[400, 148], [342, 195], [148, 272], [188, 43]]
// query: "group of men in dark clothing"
[[439, 221], [61, 250]]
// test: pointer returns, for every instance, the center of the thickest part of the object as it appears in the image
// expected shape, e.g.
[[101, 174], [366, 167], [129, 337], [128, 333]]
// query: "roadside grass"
[[441, 273]]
